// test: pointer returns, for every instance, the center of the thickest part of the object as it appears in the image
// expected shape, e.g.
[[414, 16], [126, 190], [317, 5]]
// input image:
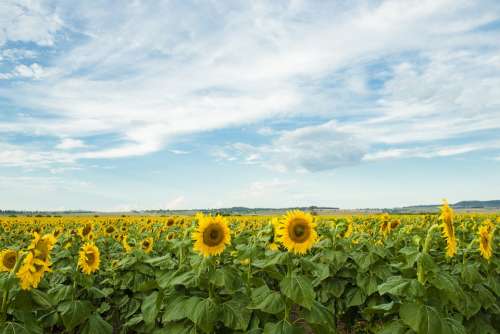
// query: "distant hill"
[[493, 205], [477, 204], [462, 206]]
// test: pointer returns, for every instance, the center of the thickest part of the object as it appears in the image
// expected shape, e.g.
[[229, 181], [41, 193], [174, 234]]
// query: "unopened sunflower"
[[297, 232], [89, 258], [212, 235]]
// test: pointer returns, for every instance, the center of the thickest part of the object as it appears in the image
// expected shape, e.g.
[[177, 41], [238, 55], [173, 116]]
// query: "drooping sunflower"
[[350, 230], [89, 258], [126, 247], [31, 272], [297, 232], [8, 259], [448, 229], [485, 235], [212, 235], [147, 245]]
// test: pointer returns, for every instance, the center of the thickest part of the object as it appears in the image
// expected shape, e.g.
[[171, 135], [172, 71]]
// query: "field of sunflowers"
[[296, 273]]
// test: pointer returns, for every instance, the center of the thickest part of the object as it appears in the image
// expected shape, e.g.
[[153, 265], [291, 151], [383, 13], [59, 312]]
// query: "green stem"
[[5, 298]]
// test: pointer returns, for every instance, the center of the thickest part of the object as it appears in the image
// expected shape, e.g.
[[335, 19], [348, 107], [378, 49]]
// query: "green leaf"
[[265, 300], [235, 315], [171, 279], [393, 327], [367, 282], [206, 314], [422, 319], [227, 278], [61, 293], [151, 307], [471, 275], [74, 313], [274, 259], [42, 299], [180, 307], [96, 324], [355, 297], [399, 286], [320, 315], [13, 328], [299, 289], [282, 327]]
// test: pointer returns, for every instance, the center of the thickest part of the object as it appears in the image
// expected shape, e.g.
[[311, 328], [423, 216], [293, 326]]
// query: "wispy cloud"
[[376, 77]]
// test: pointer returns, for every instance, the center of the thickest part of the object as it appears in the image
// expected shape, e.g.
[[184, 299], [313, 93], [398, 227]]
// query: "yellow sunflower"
[[212, 235], [31, 272], [85, 230], [448, 229], [125, 244], [297, 232], [486, 241], [147, 245], [8, 259], [89, 258]]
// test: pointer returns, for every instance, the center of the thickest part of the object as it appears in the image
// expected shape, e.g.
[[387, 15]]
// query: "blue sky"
[[119, 105]]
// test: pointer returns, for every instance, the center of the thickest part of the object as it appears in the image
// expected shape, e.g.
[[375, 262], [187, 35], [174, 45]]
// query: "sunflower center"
[[213, 235], [9, 260], [86, 230], [145, 244], [299, 231], [90, 258]]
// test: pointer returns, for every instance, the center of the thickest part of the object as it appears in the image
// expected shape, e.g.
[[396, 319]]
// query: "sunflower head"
[[448, 229], [485, 241], [8, 259], [170, 222], [297, 232], [31, 272], [89, 258], [147, 245], [212, 235]]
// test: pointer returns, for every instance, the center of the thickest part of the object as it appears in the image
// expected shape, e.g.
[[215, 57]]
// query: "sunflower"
[[147, 245], [41, 248], [171, 236], [486, 241], [297, 232], [125, 244], [109, 230], [85, 230], [8, 259], [212, 235], [350, 229], [170, 222], [31, 272], [448, 229], [89, 258]]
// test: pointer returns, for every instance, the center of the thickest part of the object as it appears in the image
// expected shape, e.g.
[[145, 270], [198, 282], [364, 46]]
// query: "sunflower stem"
[[5, 297]]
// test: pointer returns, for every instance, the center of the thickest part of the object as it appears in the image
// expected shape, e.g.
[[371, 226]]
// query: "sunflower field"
[[296, 273]]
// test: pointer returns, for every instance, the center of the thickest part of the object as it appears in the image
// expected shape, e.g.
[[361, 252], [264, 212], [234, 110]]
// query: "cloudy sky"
[[116, 105]]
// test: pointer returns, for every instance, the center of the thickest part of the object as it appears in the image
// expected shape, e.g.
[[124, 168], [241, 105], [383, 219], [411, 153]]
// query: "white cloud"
[[192, 69], [28, 21], [176, 203], [34, 71], [70, 143], [312, 148]]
